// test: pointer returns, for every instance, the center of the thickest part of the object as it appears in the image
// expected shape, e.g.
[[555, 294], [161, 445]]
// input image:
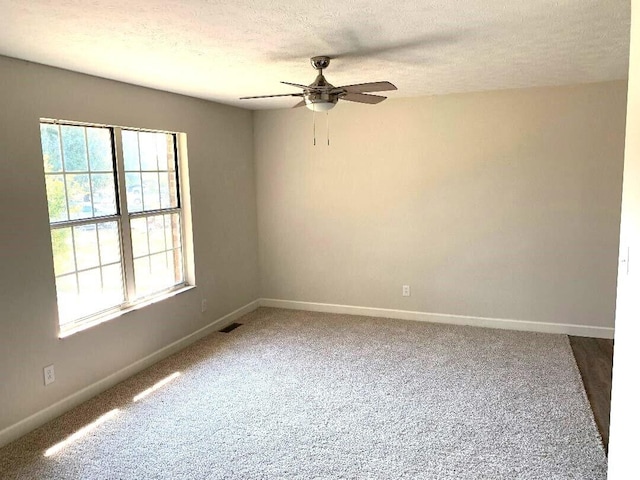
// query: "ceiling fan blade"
[[271, 96], [363, 98], [307, 87], [296, 85], [368, 87], [300, 104]]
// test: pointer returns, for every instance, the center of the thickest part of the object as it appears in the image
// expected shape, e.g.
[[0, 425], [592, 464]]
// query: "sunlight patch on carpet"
[[80, 433], [156, 386]]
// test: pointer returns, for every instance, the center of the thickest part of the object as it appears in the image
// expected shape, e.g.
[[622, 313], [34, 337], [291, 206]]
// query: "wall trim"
[[502, 323], [41, 417]]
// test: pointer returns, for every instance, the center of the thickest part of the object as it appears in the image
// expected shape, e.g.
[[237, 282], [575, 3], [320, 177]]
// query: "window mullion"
[[151, 213], [125, 226], [85, 221]]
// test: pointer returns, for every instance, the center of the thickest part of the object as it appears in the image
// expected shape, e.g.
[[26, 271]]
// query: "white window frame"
[[123, 218]]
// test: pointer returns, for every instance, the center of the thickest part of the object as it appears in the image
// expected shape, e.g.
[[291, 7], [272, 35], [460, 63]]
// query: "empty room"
[[272, 240]]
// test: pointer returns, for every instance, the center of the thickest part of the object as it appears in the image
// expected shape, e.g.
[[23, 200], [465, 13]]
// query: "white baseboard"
[[524, 325], [43, 416]]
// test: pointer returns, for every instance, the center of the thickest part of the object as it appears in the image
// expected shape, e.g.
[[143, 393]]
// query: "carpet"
[[304, 395]]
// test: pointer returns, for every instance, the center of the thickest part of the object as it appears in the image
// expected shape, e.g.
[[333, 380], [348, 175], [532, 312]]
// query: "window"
[[115, 216]]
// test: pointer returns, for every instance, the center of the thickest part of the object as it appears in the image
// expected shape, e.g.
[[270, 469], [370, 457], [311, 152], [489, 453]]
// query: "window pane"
[[99, 289], [160, 266], [150, 191], [56, 198], [156, 234], [139, 240], [166, 157], [90, 299], [168, 232], [165, 193], [86, 243], [112, 285], [62, 244], [50, 139], [134, 192], [104, 194], [67, 293], [159, 272], [148, 154], [109, 239], [100, 154], [74, 148], [130, 150], [142, 274], [78, 192], [156, 187], [90, 285], [168, 190]]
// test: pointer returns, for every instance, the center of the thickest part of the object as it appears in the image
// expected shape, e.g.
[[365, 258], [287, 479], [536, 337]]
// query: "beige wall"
[[224, 216], [499, 204], [625, 415]]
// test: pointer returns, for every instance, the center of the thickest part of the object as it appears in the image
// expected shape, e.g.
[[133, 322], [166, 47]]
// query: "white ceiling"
[[223, 49]]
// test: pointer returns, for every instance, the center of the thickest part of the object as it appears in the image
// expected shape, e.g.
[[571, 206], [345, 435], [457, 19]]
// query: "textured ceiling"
[[223, 49]]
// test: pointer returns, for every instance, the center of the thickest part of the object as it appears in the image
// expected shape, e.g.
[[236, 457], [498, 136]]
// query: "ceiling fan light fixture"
[[320, 106], [320, 102]]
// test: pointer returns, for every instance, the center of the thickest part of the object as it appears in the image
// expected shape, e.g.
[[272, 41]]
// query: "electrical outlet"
[[49, 375], [203, 307], [406, 291]]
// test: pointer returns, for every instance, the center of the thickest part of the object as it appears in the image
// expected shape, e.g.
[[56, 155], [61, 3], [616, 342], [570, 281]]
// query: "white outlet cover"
[[49, 375], [406, 291]]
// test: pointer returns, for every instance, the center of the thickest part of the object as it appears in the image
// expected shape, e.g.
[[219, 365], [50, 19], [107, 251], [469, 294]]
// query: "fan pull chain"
[[327, 128], [314, 128]]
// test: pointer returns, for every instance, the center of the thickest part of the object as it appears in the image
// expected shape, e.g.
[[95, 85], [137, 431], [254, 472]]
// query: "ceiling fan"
[[321, 96]]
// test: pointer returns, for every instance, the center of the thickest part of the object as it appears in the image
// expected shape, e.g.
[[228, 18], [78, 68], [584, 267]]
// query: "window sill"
[[73, 329]]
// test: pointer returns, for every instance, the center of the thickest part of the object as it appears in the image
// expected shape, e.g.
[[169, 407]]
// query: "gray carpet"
[[318, 396]]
